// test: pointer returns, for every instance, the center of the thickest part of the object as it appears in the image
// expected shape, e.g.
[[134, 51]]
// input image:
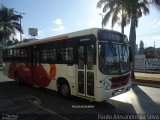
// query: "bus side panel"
[[22, 69], [43, 74], [26, 73], [11, 69]]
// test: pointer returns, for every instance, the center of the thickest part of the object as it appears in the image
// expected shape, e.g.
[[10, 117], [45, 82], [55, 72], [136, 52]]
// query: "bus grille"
[[120, 81]]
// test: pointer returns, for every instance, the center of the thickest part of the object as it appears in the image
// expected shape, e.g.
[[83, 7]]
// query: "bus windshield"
[[113, 58]]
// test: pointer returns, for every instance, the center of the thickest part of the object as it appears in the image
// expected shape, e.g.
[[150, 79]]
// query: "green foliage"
[[9, 24], [155, 4], [123, 11], [141, 45]]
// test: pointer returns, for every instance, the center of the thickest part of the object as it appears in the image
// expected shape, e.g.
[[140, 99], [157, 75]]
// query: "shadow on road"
[[16, 100], [145, 101]]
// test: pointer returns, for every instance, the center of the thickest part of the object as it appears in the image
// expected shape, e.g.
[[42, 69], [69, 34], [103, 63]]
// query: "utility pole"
[[102, 19], [20, 13]]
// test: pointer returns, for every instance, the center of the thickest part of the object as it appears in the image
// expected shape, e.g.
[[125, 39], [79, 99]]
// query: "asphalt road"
[[25, 102]]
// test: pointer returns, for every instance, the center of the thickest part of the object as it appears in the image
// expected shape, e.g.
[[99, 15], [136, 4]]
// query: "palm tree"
[[135, 10], [131, 11], [114, 9], [155, 3], [9, 23]]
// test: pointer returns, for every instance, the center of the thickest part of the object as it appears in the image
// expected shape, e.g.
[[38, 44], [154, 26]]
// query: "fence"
[[142, 63]]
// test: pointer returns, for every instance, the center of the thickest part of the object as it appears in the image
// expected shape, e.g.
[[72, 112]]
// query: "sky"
[[56, 17]]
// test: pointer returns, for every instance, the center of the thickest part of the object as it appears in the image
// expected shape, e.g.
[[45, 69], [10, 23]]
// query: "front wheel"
[[65, 90]]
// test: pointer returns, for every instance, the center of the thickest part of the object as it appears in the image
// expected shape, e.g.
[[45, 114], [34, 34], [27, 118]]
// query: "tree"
[[154, 3], [133, 9], [114, 9], [150, 52], [141, 45], [9, 23]]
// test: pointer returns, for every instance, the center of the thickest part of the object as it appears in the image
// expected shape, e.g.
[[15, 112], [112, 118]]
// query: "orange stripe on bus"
[[44, 41], [50, 39], [52, 73]]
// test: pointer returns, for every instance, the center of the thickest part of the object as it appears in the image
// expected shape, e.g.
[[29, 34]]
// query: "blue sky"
[[55, 17]]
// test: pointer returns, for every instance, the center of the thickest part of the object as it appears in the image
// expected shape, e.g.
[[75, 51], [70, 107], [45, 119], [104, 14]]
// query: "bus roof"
[[61, 37]]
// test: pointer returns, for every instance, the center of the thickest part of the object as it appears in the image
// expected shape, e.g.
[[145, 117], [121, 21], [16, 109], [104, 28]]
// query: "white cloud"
[[58, 23], [155, 23], [40, 32]]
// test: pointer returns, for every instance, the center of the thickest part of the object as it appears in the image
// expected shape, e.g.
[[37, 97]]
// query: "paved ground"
[[4, 78], [26, 102]]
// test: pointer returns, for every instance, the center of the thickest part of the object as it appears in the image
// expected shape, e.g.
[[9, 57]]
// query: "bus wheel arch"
[[63, 87]]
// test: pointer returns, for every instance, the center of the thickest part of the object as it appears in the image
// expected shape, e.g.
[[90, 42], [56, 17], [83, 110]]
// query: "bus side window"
[[70, 53], [25, 54], [59, 55], [44, 55], [52, 54], [18, 53]]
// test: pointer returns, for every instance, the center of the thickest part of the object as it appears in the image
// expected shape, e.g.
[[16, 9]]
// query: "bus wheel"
[[17, 79], [65, 90]]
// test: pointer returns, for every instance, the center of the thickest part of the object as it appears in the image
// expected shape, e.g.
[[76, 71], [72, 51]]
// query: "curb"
[[148, 71], [148, 79], [149, 83]]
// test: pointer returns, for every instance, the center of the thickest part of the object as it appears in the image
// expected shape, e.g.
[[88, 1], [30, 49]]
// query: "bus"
[[92, 64]]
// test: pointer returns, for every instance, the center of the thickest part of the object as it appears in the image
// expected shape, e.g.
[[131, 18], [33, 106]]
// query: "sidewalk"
[[4, 78], [148, 79]]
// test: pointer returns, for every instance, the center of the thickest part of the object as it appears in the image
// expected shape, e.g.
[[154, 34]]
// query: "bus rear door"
[[40, 75]]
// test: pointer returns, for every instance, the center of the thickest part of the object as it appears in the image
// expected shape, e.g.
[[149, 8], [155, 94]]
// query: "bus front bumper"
[[107, 94]]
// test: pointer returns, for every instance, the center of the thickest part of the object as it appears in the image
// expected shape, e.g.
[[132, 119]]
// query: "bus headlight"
[[106, 86]]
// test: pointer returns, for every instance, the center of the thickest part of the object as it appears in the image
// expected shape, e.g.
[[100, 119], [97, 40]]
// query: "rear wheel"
[[65, 90]]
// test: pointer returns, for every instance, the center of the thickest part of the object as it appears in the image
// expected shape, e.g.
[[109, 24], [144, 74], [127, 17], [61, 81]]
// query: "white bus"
[[92, 64]]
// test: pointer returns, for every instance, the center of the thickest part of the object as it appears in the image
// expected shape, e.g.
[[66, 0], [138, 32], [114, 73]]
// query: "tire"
[[65, 90], [17, 78]]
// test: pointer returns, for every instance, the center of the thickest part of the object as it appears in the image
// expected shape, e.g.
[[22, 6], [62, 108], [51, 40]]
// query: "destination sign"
[[104, 35]]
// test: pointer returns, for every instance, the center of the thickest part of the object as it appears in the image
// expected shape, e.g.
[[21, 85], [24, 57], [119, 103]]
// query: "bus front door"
[[86, 70]]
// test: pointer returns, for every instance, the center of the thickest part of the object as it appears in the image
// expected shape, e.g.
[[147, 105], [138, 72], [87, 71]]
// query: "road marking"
[[46, 109]]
